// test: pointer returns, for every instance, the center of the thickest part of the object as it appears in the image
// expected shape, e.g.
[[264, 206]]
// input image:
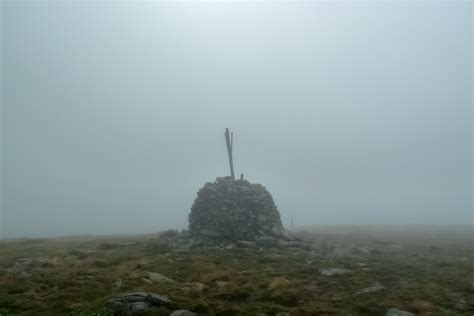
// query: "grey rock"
[[157, 277], [137, 302], [246, 244], [266, 241], [221, 283], [209, 233], [376, 287], [398, 312], [333, 271], [182, 312]]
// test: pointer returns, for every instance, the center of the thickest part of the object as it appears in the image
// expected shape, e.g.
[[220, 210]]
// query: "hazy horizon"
[[113, 114]]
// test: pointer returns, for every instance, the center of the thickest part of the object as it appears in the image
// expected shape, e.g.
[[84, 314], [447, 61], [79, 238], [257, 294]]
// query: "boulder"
[[246, 244], [376, 287], [266, 241], [333, 271], [137, 302], [157, 277], [182, 312], [397, 312]]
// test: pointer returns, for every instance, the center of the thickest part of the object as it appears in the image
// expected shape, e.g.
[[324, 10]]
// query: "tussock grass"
[[76, 276]]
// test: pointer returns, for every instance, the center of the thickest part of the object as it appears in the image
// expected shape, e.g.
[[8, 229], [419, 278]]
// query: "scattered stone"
[[398, 312], [246, 244], [333, 271], [148, 281], [25, 265], [266, 241], [157, 277], [137, 302], [221, 283], [376, 287], [182, 312]]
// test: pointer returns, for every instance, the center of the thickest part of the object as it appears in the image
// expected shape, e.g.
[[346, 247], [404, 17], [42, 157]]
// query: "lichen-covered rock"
[[235, 210]]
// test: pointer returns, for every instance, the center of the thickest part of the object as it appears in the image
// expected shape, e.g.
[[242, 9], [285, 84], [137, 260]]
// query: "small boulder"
[[333, 271], [246, 244], [182, 312], [137, 302], [157, 277], [221, 284], [398, 312], [376, 287], [266, 241]]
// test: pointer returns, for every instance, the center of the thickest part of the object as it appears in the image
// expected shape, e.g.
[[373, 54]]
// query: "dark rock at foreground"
[[137, 303], [233, 210]]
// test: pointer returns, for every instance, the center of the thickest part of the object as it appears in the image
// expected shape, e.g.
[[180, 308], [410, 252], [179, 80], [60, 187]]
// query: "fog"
[[113, 113]]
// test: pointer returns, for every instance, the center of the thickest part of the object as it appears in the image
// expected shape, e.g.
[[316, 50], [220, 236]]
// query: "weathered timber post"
[[229, 139]]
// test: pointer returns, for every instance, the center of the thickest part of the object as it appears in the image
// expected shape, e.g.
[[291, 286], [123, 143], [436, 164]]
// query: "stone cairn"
[[229, 210], [232, 210]]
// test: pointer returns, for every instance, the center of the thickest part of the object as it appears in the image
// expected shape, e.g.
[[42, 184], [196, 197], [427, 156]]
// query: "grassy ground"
[[424, 270]]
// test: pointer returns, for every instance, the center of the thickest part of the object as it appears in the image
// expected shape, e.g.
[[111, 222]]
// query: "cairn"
[[232, 210]]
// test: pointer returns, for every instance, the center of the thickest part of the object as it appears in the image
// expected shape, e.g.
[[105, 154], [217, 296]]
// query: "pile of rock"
[[233, 210]]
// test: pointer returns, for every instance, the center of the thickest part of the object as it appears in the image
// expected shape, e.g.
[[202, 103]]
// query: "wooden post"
[[241, 176], [229, 139]]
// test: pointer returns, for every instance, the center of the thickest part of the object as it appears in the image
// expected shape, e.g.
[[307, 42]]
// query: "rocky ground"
[[335, 271]]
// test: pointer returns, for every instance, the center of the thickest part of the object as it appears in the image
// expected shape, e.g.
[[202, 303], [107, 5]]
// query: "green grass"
[[425, 276]]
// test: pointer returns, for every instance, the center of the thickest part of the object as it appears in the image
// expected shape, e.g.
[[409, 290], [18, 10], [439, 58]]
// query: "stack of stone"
[[233, 210]]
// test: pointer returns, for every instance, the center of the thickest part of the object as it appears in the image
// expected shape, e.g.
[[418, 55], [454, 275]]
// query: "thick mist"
[[113, 113]]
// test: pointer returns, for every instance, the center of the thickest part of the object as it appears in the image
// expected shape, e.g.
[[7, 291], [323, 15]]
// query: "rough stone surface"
[[235, 210], [375, 288], [157, 277], [266, 241], [137, 302], [397, 312], [333, 271], [182, 312], [246, 244]]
